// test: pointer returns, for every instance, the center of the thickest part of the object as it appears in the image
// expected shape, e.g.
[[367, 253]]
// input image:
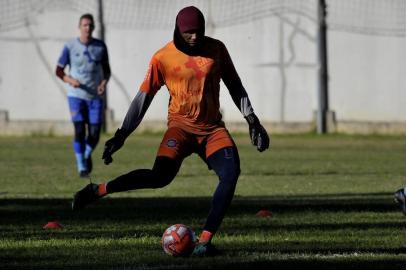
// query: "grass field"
[[331, 198]]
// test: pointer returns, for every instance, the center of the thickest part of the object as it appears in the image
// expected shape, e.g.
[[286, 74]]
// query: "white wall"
[[29, 89], [367, 77], [275, 57]]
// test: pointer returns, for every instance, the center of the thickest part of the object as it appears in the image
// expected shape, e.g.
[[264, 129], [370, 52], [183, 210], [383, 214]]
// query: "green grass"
[[330, 196]]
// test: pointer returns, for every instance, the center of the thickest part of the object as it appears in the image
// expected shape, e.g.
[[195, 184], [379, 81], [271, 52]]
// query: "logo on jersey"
[[199, 65], [89, 56], [176, 69], [171, 143]]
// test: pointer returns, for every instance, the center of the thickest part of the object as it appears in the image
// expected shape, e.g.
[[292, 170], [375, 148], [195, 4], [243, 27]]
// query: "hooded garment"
[[189, 19]]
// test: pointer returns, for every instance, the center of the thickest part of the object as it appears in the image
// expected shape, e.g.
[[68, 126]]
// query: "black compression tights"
[[225, 162], [163, 172], [93, 133]]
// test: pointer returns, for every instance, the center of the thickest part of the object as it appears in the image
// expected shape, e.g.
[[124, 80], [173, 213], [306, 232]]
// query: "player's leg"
[[79, 147], [95, 114], [163, 172], [169, 159], [400, 198], [91, 142], [173, 149], [76, 107], [226, 164]]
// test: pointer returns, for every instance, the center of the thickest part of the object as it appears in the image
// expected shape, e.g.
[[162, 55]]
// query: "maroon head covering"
[[190, 18]]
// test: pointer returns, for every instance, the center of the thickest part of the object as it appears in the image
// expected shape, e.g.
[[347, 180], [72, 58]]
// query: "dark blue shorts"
[[89, 111]]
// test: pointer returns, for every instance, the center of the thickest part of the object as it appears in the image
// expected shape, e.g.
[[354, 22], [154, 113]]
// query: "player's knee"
[[164, 171], [226, 164], [230, 173], [93, 140], [80, 131], [237, 173], [94, 134], [231, 176], [162, 180]]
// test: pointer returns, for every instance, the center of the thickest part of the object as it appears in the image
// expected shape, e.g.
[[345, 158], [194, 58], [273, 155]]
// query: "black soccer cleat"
[[84, 174], [205, 250], [85, 196], [89, 164], [400, 198]]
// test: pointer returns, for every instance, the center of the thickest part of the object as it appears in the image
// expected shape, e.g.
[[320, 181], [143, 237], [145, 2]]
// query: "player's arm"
[[136, 112], [139, 106], [66, 78], [133, 118], [63, 61], [106, 72], [259, 136]]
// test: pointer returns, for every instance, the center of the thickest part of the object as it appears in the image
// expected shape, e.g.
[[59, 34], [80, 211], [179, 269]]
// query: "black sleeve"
[[106, 65], [234, 85], [136, 112]]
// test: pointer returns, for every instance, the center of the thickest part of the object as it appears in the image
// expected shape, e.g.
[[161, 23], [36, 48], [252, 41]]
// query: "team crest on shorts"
[[171, 143]]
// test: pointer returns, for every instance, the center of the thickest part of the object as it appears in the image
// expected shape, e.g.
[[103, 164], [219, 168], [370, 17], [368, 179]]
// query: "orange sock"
[[102, 190], [205, 236]]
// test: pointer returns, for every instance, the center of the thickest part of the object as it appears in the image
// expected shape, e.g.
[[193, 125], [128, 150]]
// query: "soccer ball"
[[178, 240]]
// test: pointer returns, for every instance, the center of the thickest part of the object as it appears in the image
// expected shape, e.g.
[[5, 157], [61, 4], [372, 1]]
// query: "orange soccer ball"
[[178, 240]]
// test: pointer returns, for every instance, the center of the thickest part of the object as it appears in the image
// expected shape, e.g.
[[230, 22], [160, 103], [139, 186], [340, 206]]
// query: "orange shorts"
[[178, 143]]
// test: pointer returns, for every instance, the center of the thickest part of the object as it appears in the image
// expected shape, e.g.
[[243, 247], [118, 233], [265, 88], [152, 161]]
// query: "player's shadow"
[[138, 217], [162, 208], [193, 210], [315, 264]]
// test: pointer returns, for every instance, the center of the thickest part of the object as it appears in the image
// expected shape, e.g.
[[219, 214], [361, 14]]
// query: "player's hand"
[[72, 81], [101, 88], [259, 136], [75, 83], [113, 144]]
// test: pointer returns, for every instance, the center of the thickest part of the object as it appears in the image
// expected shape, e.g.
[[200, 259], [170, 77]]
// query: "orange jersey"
[[193, 83]]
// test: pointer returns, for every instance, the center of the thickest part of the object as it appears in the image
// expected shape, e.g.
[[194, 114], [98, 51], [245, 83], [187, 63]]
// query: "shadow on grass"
[[301, 264], [116, 218], [144, 216], [161, 209], [206, 263], [320, 264]]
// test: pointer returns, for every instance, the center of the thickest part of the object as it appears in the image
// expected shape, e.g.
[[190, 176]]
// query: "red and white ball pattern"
[[178, 240]]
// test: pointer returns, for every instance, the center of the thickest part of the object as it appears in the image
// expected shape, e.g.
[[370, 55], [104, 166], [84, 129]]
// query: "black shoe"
[[84, 174], [400, 199], [85, 196], [89, 164], [205, 250]]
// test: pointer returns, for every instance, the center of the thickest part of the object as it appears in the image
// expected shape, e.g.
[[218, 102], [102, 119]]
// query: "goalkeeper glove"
[[259, 136], [113, 144]]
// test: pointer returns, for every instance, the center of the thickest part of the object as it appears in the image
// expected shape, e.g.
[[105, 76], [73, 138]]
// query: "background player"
[[400, 198], [191, 67], [89, 72]]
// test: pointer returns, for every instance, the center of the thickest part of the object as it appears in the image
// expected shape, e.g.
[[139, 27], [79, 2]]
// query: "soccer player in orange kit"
[[191, 66]]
